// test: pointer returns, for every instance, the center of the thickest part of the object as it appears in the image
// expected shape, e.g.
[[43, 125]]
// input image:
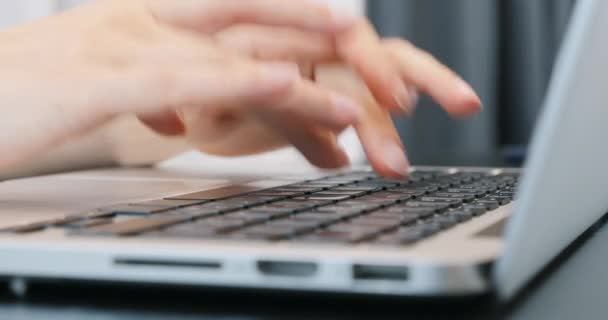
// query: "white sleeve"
[[356, 6]]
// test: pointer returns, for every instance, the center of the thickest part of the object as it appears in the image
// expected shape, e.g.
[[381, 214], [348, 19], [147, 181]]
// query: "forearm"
[[122, 142]]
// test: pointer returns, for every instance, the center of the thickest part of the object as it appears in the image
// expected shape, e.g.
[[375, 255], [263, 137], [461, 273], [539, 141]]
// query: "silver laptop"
[[443, 232]]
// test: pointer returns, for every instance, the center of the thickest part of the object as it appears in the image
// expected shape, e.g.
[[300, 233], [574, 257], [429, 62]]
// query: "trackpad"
[[494, 231]]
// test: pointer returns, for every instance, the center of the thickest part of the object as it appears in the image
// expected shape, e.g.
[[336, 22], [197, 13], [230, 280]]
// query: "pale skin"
[[227, 77]]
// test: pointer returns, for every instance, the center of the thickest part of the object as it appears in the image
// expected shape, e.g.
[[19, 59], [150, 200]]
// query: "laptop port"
[[195, 264], [287, 268], [370, 272]]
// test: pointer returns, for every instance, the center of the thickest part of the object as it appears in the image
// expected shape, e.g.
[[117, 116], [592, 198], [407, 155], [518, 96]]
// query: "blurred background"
[[504, 48]]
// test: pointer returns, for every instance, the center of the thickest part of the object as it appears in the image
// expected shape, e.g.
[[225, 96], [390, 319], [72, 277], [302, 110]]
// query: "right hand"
[[359, 50], [67, 75]]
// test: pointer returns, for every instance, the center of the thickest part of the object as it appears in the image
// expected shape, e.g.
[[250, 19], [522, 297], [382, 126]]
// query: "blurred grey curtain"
[[504, 48]]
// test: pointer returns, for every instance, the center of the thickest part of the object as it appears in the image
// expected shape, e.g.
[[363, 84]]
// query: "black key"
[[417, 187], [506, 194], [254, 200], [266, 233], [410, 193], [296, 227], [193, 213], [320, 220], [402, 218], [387, 196], [324, 219], [131, 227], [276, 193], [251, 215], [215, 194], [465, 197], [296, 204], [422, 212], [446, 221], [475, 209], [461, 215], [430, 228], [490, 205], [323, 197], [452, 202], [501, 200], [218, 226], [180, 231], [475, 192], [487, 189], [438, 207], [353, 205], [382, 224], [355, 188], [404, 236], [329, 236]]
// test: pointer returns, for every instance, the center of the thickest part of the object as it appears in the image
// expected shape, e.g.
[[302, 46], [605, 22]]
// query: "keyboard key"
[[464, 197], [421, 212], [475, 209], [446, 221], [452, 202], [490, 205], [461, 215], [437, 206], [501, 200]]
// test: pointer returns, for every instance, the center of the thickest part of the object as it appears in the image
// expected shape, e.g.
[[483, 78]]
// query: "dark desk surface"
[[575, 290]]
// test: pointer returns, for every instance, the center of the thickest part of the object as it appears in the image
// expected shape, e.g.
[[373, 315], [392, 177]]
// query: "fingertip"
[[390, 161]]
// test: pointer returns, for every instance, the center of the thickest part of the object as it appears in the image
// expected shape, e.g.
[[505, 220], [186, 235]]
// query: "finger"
[[319, 146], [309, 103], [362, 49], [215, 15], [382, 144], [376, 131], [165, 123], [428, 75], [268, 43]]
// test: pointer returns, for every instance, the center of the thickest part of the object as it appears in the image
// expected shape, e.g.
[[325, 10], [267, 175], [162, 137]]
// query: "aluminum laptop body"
[[46, 222]]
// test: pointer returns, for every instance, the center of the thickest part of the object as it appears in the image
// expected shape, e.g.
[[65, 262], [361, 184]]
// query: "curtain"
[[505, 48]]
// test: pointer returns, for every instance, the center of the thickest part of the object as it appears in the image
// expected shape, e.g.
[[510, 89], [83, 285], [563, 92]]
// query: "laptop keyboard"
[[353, 208]]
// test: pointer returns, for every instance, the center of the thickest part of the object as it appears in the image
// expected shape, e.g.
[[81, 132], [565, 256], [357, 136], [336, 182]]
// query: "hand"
[[244, 134], [71, 73]]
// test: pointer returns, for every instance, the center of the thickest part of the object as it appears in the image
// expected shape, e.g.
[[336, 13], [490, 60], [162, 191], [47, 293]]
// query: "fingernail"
[[468, 91], [404, 99], [414, 97], [273, 75], [396, 160], [342, 19], [347, 110]]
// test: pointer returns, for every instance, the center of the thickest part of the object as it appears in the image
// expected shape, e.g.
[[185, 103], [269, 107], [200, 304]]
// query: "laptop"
[[442, 232]]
